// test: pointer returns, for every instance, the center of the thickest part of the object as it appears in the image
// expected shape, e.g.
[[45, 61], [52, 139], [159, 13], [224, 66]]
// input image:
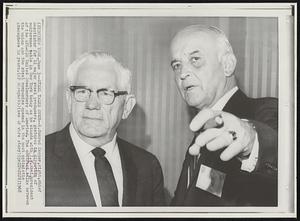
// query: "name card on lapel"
[[211, 180]]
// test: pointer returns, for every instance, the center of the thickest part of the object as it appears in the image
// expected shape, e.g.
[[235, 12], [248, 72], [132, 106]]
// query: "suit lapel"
[[75, 185], [186, 182], [239, 105], [129, 174]]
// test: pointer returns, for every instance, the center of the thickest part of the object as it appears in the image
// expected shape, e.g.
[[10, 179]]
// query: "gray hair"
[[124, 74], [224, 47]]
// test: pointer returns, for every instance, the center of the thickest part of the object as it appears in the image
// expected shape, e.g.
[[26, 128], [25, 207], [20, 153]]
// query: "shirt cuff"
[[250, 163]]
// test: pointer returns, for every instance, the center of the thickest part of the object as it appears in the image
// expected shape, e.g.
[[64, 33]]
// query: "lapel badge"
[[211, 180]]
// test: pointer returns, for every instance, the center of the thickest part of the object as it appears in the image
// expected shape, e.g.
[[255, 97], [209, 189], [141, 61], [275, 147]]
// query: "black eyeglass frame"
[[73, 88]]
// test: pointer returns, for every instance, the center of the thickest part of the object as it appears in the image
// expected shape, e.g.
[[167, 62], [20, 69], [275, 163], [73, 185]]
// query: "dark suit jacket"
[[258, 188], [66, 184]]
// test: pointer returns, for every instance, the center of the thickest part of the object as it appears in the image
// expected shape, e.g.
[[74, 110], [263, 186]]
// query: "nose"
[[93, 102], [185, 72], [184, 75]]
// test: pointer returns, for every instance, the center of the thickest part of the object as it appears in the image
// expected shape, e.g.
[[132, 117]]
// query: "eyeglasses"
[[106, 96]]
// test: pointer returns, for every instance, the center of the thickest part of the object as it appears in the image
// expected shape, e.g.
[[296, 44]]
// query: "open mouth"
[[188, 88]]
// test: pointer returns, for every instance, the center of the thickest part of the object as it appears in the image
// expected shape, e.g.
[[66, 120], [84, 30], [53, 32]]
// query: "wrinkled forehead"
[[188, 41]]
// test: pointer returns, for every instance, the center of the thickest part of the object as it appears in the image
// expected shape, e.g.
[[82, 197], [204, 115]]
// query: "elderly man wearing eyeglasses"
[[86, 163]]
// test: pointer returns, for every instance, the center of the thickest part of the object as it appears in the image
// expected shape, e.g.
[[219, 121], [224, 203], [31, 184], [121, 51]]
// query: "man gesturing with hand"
[[235, 134], [232, 160]]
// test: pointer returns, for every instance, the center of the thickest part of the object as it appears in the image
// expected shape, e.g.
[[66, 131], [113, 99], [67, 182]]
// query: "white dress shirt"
[[87, 160], [249, 163]]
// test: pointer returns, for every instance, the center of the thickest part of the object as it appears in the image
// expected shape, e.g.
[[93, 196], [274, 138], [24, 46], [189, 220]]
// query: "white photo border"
[[287, 40]]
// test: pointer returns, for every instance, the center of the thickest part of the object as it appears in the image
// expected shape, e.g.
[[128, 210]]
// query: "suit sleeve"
[[266, 125], [158, 184]]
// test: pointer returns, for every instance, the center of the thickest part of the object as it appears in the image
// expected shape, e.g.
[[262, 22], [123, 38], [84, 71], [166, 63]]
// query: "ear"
[[69, 99], [229, 63], [130, 101]]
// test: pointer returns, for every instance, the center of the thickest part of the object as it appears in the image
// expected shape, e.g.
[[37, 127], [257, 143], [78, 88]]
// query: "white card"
[[211, 180]]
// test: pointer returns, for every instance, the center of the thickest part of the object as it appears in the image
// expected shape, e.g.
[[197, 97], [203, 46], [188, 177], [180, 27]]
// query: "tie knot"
[[98, 152]]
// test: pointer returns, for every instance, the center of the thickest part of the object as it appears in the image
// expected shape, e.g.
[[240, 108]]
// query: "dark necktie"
[[106, 181], [194, 168], [193, 164]]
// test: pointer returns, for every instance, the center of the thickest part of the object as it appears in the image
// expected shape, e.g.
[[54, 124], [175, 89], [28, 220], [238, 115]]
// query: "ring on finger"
[[233, 134]]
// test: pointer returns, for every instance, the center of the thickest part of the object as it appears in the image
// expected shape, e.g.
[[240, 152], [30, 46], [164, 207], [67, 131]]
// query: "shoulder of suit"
[[57, 136], [138, 152], [267, 100], [52, 137], [265, 104], [254, 105], [57, 142]]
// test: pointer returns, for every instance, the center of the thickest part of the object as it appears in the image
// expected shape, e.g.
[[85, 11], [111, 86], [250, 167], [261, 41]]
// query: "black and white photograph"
[[151, 112], [169, 59]]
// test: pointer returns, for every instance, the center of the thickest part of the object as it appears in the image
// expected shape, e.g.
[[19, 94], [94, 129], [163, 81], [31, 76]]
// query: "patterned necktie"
[[106, 181]]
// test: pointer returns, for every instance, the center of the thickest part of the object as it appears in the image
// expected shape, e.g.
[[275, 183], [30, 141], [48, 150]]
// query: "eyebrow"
[[176, 60], [194, 52], [85, 87]]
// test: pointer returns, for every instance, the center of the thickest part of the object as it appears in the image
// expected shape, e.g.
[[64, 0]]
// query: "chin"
[[92, 135], [197, 105], [192, 101], [92, 132]]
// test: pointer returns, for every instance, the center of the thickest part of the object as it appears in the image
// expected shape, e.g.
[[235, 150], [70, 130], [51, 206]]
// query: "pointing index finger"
[[201, 118]]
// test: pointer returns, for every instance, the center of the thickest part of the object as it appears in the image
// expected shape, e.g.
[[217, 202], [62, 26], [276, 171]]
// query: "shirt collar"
[[83, 149], [223, 100], [110, 147]]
